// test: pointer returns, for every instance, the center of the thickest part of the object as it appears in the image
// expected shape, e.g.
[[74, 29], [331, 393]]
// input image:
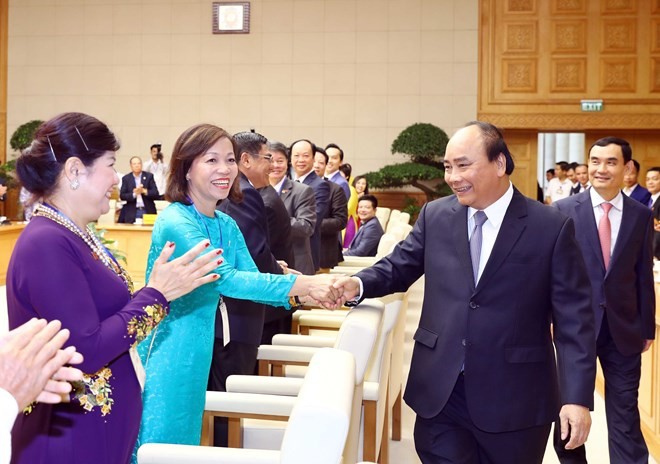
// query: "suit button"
[[464, 342], [473, 305]]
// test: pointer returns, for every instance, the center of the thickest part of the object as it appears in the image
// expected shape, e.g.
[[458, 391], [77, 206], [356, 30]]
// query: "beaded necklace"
[[99, 251]]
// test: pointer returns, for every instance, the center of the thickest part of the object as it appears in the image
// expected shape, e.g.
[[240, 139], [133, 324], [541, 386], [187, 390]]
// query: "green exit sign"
[[591, 105]]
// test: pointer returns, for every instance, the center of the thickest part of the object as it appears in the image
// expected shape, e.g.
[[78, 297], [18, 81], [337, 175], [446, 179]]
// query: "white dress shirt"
[[558, 189], [8, 413], [615, 215], [302, 178], [489, 230], [653, 198], [629, 190], [279, 185]]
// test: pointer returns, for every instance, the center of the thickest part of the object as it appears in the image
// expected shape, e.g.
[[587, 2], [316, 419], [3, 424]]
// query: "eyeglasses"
[[268, 157]]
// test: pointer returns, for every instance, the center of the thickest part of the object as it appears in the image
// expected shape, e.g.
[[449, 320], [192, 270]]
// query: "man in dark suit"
[[368, 236], [138, 190], [246, 318], [615, 235], [631, 185], [302, 161], [335, 159], [332, 225], [499, 268], [653, 186], [299, 201]]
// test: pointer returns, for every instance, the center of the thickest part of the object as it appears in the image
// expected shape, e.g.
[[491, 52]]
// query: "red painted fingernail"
[[207, 244], [171, 244], [219, 262], [218, 252], [216, 277]]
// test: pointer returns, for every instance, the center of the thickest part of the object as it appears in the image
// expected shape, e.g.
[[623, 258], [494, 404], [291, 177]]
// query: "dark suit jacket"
[[625, 292], [338, 179], [641, 194], [500, 330], [332, 226], [322, 196], [366, 240], [246, 318], [300, 203], [279, 226], [127, 214]]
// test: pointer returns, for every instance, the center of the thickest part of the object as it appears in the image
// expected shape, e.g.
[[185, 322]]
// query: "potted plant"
[[425, 145]]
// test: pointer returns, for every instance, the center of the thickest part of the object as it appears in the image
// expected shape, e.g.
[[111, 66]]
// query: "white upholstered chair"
[[316, 431]]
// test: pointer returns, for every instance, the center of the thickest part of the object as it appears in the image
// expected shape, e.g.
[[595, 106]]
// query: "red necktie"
[[605, 233]]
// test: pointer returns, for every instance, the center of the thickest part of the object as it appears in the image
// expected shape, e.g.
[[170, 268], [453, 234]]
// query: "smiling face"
[[97, 183], [136, 165], [653, 182], [366, 210], [360, 185], [278, 167], [334, 160], [302, 158], [211, 175], [476, 181], [607, 169], [257, 168], [582, 175]]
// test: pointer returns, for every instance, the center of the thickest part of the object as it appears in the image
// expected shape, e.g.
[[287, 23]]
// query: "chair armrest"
[[300, 354], [159, 453], [357, 261], [248, 404], [321, 321], [314, 341], [285, 386]]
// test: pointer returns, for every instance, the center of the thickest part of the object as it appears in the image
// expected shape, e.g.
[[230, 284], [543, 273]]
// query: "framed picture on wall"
[[231, 17]]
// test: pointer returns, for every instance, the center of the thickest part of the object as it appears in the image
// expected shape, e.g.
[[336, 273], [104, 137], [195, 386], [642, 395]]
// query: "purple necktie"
[[475, 242]]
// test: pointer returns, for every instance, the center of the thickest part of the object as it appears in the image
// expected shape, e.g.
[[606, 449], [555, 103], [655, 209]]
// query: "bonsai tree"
[[19, 141], [425, 145]]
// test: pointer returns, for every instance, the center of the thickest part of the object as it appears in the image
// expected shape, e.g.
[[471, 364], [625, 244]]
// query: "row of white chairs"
[[387, 215]]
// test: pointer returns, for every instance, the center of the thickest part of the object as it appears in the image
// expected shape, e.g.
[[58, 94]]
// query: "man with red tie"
[[615, 235]]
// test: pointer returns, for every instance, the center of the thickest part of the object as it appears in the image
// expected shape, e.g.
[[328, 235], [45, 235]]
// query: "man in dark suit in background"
[[615, 235], [653, 185], [302, 161], [238, 355], [499, 268], [631, 185], [332, 225], [368, 235], [138, 190], [299, 201]]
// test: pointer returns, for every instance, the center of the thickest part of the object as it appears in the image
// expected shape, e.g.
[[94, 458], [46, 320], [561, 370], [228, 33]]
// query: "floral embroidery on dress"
[[94, 390], [141, 326], [29, 408]]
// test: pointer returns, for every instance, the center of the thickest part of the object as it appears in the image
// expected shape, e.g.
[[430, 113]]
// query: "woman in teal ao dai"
[[177, 356]]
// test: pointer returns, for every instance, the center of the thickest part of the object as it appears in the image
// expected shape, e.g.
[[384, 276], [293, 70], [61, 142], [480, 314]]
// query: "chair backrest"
[[404, 217], [358, 334], [383, 215], [394, 215], [390, 316], [319, 422], [399, 229], [386, 245]]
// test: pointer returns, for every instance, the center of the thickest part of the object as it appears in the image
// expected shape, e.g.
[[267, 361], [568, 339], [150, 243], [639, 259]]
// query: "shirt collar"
[[597, 200], [304, 176], [279, 185], [495, 212]]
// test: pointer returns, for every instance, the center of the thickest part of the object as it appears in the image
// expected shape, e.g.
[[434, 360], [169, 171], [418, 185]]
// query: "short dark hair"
[[322, 151], [636, 164], [249, 142], [654, 169], [626, 150], [494, 143], [563, 165], [279, 146], [58, 139], [347, 169], [572, 165], [582, 165], [334, 145], [194, 142], [371, 198], [366, 188], [550, 171], [159, 155]]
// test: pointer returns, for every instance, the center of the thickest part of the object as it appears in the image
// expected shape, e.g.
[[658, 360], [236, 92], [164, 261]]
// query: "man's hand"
[[348, 286], [32, 362], [647, 345], [579, 419]]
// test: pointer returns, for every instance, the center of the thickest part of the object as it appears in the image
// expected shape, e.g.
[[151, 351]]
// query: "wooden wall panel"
[[4, 23], [539, 58]]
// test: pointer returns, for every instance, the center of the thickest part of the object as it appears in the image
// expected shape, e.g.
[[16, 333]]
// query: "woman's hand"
[[185, 273], [319, 288]]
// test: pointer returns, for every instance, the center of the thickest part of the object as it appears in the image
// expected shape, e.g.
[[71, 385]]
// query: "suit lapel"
[[625, 231], [286, 189], [585, 214], [458, 225], [510, 231]]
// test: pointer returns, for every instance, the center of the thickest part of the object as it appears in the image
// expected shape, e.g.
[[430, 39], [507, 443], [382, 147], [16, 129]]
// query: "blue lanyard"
[[201, 219]]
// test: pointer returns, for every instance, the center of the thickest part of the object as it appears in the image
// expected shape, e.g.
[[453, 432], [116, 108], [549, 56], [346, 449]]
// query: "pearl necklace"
[[99, 252]]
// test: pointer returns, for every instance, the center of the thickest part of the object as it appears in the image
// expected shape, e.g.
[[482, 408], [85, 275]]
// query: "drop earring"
[[74, 184]]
